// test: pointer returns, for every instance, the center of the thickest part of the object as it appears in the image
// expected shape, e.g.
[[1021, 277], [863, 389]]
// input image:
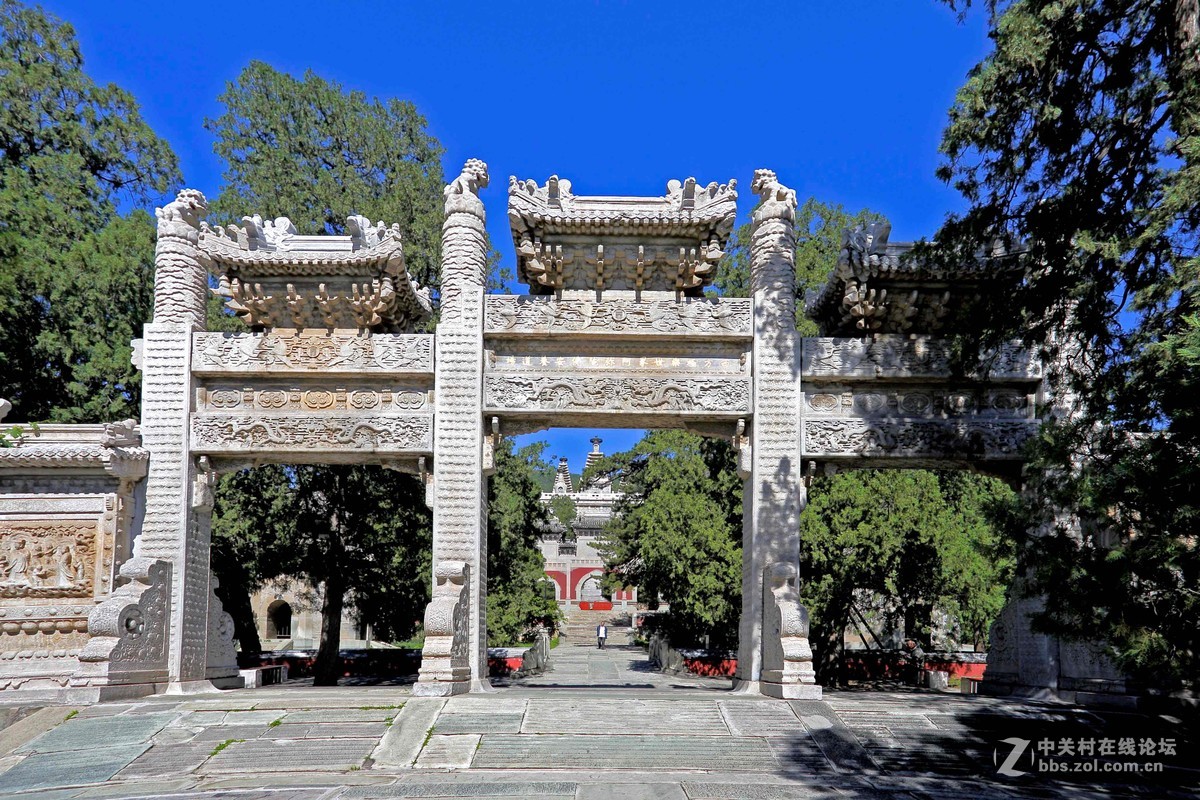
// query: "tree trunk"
[[327, 668], [236, 598]]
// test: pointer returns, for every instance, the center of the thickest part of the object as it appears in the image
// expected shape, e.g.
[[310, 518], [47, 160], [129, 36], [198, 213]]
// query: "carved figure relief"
[[336, 352], [50, 559], [512, 314], [617, 394]]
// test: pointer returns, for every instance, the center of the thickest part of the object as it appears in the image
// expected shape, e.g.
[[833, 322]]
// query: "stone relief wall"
[[50, 558], [66, 512]]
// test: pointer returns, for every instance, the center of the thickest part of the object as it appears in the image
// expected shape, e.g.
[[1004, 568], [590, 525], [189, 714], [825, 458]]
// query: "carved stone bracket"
[[787, 657], [445, 663], [127, 652], [222, 666], [742, 445], [490, 440]]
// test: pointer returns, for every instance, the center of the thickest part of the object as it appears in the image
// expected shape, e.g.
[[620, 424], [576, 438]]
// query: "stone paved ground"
[[598, 725]]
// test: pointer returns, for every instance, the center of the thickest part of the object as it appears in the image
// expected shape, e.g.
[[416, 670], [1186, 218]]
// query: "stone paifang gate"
[[615, 332]]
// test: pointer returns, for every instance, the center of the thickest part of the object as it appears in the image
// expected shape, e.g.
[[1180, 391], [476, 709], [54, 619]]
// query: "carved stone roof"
[[114, 448], [667, 243], [885, 287], [272, 277]]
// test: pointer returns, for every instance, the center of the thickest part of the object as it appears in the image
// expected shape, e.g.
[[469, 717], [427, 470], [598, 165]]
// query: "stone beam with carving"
[[668, 244], [271, 277], [606, 394], [897, 357], [325, 437], [691, 318], [311, 353]]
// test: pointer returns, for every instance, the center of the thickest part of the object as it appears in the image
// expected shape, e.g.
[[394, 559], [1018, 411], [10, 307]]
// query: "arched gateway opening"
[[615, 332]]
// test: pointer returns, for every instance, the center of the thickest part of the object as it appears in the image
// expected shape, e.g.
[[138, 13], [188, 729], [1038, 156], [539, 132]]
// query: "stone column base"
[[790, 691]]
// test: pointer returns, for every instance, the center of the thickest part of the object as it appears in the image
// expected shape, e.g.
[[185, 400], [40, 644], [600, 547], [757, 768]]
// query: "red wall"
[[560, 578]]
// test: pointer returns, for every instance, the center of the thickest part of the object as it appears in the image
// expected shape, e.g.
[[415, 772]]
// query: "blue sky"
[[845, 101]]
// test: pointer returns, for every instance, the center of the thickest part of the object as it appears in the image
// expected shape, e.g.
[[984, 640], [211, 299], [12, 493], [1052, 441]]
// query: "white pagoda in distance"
[[574, 565]]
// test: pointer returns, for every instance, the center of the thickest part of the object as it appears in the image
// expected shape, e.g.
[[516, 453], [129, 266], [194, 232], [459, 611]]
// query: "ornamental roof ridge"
[[269, 274], [868, 262], [115, 447], [667, 243], [554, 203]]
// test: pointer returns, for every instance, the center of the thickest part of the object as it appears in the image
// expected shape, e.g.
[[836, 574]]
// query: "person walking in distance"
[[601, 635]]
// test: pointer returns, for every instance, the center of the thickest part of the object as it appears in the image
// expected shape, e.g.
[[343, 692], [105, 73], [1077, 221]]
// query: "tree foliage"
[[518, 598], [362, 534], [308, 149], [75, 277], [916, 539], [676, 533], [1077, 141]]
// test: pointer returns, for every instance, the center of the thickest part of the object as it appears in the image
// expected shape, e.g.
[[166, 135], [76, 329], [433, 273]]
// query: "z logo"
[[1018, 748]]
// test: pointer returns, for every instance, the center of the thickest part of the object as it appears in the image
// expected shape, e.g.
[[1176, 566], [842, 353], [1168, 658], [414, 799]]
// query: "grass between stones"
[[275, 723], [71, 715], [223, 745]]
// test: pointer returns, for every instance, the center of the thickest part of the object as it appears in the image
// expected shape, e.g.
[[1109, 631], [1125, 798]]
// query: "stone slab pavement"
[[632, 733]]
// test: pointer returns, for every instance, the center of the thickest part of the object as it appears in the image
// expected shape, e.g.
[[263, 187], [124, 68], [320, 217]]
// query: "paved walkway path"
[[598, 725]]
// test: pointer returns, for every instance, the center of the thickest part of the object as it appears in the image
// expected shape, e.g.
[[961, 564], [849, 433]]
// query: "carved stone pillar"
[[459, 509], [169, 531], [774, 493]]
